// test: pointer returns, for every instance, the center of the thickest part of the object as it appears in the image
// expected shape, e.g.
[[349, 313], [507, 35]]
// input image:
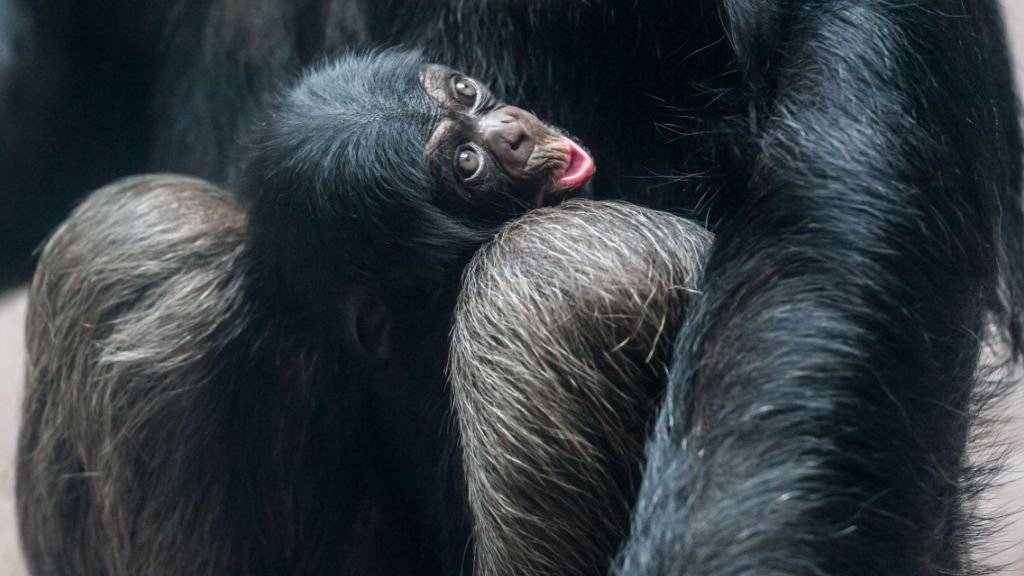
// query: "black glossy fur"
[[859, 161]]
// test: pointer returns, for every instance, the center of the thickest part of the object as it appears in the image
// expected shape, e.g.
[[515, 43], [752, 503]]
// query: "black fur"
[[838, 339], [860, 163]]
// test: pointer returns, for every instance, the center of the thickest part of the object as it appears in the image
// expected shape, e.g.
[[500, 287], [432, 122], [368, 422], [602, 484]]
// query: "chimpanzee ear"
[[368, 321]]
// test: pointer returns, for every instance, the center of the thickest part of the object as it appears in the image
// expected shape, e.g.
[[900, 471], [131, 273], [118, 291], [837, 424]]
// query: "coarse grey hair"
[[560, 343], [132, 296]]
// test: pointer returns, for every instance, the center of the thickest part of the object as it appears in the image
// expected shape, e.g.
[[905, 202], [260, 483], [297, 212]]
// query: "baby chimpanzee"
[[376, 178]]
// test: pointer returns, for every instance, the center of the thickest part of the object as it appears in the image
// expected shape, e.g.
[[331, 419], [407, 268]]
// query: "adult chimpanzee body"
[[860, 162]]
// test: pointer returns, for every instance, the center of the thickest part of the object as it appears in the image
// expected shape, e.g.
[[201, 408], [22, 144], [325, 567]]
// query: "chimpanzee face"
[[492, 154]]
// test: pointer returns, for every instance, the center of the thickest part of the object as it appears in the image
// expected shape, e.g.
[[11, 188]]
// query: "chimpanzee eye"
[[465, 89], [468, 162]]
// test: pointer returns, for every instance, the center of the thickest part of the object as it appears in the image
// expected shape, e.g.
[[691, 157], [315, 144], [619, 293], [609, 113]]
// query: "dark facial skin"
[[495, 155]]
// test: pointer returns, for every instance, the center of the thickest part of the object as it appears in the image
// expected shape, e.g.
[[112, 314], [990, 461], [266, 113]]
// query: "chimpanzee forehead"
[[361, 120], [436, 80]]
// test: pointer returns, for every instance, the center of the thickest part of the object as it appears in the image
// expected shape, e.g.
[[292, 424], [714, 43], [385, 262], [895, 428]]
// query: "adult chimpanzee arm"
[[817, 411]]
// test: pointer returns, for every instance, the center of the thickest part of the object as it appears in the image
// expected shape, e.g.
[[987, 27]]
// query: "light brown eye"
[[468, 162], [465, 89]]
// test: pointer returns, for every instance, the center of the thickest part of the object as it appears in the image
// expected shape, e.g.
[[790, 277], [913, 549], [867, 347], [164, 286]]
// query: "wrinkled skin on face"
[[494, 154]]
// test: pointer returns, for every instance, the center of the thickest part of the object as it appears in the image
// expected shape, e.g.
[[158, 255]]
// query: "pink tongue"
[[579, 169]]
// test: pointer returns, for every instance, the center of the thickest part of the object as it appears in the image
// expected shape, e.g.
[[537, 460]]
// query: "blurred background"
[[1006, 500]]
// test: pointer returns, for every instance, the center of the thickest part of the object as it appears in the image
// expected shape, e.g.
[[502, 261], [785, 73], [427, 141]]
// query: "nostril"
[[517, 140], [515, 136]]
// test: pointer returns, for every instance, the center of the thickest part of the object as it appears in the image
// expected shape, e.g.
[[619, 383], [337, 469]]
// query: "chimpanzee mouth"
[[579, 168]]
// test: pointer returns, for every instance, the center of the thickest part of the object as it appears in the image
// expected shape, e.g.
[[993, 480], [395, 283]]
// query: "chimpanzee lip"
[[579, 167], [577, 170]]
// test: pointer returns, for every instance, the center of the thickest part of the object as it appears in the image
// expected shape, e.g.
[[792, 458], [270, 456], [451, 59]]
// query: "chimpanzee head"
[[374, 179]]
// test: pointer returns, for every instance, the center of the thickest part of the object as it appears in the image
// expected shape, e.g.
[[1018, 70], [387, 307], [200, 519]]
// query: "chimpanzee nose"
[[510, 134]]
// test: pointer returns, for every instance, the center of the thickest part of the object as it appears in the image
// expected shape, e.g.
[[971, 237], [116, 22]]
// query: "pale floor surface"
[[1008, 498], [12, 319]]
